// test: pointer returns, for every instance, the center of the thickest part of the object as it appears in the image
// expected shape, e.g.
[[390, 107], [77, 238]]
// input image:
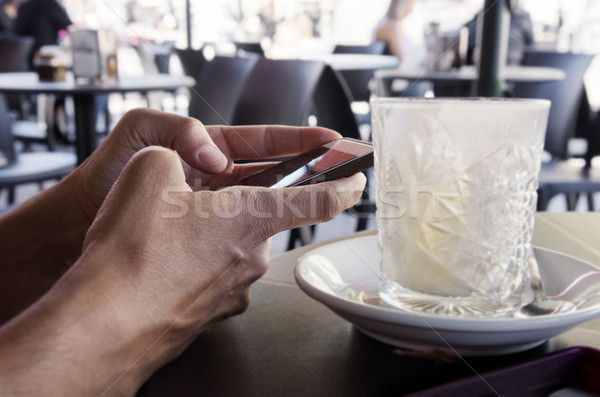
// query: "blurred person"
[[8, 13], [41, 19], [520, 35], [114, 271], [390, 28]]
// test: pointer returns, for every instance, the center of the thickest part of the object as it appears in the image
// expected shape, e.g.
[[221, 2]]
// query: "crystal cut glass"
[[456, 196]]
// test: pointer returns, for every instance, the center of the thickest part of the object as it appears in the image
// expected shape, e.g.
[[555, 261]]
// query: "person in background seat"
[[389, 29], [8, 13], [519, 39], [41, 19]]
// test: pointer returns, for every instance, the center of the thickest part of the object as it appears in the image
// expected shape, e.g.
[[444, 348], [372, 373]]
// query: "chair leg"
[[590, 201], [362, 220], [303, 234], [294, 235], [11, 195], [572, 199], [365, 207], [307, 234], [544, 197], [362, 224]]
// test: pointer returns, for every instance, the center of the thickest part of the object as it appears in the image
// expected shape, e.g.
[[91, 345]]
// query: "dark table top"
[[289, 344]]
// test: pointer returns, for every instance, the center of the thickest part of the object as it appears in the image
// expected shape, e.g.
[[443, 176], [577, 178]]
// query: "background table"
[[354, 61], [289, 344], [515, 74], [83, 95], [462, 80]]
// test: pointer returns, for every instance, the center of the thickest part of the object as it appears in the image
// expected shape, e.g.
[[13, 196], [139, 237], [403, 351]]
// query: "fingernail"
[[211, 155]]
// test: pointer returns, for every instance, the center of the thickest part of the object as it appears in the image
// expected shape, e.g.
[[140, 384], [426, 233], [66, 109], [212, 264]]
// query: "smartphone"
[[334, 160]]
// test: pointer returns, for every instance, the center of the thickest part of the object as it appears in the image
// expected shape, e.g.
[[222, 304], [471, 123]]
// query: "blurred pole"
[[494, 47], [188, 23]]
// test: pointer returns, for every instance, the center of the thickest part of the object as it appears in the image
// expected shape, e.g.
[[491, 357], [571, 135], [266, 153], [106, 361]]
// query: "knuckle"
[[261, 269], [135, 115], [242, 302], [152, 155], [190, 124], [259, 265]]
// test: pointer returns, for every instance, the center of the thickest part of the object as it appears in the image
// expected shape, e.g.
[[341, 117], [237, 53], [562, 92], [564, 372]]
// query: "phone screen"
[[305, 166]]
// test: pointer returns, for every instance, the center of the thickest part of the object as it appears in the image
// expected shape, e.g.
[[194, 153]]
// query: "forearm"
[[41, 238], [83, 337]]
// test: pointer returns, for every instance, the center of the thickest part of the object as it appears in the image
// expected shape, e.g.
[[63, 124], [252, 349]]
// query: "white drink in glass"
[[456, 197]]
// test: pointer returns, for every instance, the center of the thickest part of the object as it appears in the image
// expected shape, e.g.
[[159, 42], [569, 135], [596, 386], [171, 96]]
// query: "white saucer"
[[343, 276]]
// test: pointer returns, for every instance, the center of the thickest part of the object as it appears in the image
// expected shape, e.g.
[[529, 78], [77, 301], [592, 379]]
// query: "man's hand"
[[46, 233], [160, 263], [208, 153]]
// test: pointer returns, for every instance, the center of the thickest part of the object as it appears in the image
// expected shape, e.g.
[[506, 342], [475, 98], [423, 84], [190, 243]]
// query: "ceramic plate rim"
[[439, 322]]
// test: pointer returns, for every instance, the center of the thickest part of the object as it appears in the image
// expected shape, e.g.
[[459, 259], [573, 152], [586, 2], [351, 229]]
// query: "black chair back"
[[278, 92], [565, 95], [15, 52], [155, 58], [254, 48], [358, 80], [593, 138], [218, 88], [192, 61], [332, 104], [162, 57]]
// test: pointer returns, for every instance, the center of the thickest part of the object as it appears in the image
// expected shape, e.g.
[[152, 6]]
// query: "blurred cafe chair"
[[214, 97], [333, 110], [162, 57], [593, 139], [560, 175], [41, 130], [331, 104], [192, 61], [358, 80], [155, 58], [278, 92], [288, 92], [21, 168], [592, 155], [249, 47], [15, 52]]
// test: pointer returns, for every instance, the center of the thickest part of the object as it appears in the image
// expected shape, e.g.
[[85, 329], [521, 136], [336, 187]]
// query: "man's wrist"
[[80, 338]]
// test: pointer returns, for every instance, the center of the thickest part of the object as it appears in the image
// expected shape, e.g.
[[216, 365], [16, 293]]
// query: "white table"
[[83, 95], [462, 79], [354, 61], [513, 74]]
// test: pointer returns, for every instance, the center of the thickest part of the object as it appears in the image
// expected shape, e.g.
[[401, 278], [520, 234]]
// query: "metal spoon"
[[583, 292], [541, 304]]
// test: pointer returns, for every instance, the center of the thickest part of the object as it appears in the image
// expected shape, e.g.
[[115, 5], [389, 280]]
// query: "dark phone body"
[[334, 160]]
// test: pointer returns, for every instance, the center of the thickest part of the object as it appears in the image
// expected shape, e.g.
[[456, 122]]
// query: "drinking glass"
[[456, 196]]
